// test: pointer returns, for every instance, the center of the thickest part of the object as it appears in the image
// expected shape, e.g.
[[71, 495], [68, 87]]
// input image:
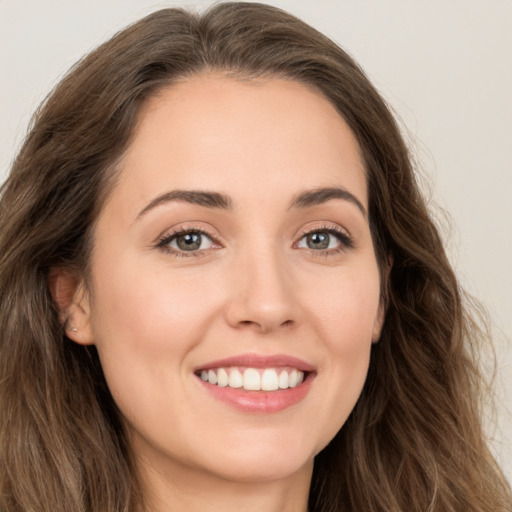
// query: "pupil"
[[189, 242], [318, 241]]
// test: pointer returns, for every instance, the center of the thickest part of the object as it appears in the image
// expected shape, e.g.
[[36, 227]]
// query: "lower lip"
[[262, 402]]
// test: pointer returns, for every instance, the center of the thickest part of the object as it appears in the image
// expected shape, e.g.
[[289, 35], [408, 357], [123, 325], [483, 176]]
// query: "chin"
[[259, 470], [268, 458]]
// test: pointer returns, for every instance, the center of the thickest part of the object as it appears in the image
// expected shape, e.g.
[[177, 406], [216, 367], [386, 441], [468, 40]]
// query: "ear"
[[72, 300], [381, 313], [379, 322]]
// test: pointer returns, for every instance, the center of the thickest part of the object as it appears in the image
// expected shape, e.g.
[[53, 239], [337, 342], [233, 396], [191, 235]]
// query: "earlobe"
[[71, 299], [379, 322]]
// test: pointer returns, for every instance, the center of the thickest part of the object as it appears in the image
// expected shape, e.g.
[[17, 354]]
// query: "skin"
[[156, 313]]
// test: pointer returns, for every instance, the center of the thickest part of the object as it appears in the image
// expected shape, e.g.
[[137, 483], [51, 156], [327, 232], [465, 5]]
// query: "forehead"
[[214, 132]]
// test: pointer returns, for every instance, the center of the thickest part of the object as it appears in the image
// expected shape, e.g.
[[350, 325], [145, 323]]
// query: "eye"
[[325, 240], [186, 241]]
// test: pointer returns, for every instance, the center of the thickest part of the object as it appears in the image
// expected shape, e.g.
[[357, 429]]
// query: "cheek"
[[150, 310], [347, 309], [145, 328], [348, 328], [352, 328], [345, 318], [145, 325]]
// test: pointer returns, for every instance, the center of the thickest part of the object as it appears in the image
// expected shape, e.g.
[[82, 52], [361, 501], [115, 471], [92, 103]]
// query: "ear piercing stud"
[[74, 329]]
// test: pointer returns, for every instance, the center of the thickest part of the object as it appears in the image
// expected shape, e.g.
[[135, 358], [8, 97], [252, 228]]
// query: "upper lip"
[[258, 361]]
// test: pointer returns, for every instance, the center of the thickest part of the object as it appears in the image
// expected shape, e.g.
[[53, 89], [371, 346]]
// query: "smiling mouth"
[[253, 379]]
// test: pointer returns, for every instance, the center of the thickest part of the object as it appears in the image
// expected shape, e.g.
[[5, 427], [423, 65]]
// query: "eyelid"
[[312, 227], [167, 236], [343, 235]]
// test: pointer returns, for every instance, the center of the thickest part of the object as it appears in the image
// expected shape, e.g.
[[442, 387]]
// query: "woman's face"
[[233, 253]]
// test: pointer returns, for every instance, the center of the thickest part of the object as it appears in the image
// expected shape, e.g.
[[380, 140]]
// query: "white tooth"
[[252, 379], [283, 379], [235, 379], [300, 377], [204, 375], [212, 377], [292, 378], [222, 378], [269, 380]]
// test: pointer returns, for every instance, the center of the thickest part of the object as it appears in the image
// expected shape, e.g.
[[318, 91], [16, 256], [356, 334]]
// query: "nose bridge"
[[263, 294]]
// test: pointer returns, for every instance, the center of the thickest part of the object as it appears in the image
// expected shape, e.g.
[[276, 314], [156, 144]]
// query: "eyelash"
[[346, 242], [167, 238]]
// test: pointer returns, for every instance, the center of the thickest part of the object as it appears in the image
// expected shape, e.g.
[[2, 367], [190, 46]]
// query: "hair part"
[[414, 441]]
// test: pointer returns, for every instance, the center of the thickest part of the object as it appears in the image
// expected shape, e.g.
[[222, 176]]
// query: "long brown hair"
[[414, 441]]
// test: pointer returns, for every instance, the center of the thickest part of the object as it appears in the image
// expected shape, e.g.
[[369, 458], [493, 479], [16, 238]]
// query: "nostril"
[[263, 326]]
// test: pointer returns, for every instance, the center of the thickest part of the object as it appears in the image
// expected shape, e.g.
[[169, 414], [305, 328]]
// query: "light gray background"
[[445, 66]]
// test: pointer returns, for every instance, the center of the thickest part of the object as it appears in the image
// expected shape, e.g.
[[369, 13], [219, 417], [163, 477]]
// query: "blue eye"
[[187, 241]]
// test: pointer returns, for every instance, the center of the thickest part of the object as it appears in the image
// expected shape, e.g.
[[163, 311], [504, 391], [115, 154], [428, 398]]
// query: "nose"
[[263, 296]]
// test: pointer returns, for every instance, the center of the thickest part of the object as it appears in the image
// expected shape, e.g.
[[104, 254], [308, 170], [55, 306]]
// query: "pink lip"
[[262, 402], [258, 361]]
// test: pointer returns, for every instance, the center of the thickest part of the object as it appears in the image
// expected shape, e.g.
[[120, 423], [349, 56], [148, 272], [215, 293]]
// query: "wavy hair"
[[414, 441]]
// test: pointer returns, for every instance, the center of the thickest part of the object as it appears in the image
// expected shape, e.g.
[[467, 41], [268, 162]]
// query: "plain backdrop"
[[443, 65]]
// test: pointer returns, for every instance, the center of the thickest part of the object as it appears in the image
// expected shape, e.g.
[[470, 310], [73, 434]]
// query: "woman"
[[220, 288]]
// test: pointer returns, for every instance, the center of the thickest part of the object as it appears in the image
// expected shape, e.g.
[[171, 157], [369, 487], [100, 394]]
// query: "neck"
[[192, 490]]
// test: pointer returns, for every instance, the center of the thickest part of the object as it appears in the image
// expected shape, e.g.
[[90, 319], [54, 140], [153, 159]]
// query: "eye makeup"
[[192, 241], [187, 242]]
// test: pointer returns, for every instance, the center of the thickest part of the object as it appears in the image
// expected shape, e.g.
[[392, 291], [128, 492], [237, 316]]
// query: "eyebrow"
[[322, 195], [201, 198], [222, 201]]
